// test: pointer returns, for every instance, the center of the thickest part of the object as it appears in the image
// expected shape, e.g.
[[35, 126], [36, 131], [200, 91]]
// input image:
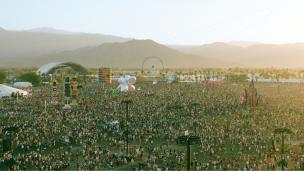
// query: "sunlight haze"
[[166, 22]]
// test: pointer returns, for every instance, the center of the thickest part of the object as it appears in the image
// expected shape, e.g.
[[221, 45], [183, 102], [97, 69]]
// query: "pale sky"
[[194, 22]]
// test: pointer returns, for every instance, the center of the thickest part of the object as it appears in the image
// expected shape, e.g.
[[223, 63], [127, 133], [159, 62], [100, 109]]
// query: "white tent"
[[7, 91], [22, 84]]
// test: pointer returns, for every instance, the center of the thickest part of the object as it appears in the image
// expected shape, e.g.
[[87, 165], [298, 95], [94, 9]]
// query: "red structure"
[[212, 82]]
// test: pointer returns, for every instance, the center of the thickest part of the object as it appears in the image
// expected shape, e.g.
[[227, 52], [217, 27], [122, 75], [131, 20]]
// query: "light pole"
[[127, 115]]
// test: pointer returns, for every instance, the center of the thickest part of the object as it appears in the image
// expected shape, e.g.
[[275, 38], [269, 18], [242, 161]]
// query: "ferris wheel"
[[153, 63]]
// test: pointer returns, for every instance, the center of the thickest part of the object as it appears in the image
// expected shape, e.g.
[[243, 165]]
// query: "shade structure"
[[7, 91], [51, 67], [22, 84]]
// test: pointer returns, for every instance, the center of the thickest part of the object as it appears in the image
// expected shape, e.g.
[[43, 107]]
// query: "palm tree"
[[252, 74], [227, 78], [256, 78], [163, 75]]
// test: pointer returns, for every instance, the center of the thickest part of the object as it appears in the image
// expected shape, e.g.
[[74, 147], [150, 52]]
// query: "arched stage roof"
[[51, 67]]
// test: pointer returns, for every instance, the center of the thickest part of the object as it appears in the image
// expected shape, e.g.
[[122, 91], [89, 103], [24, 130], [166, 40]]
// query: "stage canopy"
[[51, 67], [22, 84], [7, 91]]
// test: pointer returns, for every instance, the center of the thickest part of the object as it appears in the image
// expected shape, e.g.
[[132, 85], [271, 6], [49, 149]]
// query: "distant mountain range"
[[243, 44], [258, 55], [15, 44], [130, 54], [47, 30], [37, 47]]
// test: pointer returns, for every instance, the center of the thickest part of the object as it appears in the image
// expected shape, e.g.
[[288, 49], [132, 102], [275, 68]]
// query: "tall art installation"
[[67, 92], [105, 76], [54, 96], [251, 96], [74, 91]]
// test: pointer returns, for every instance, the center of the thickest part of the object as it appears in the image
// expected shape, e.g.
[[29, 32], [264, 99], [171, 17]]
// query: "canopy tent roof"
[[7, 91], [51, 67], [22, 84]]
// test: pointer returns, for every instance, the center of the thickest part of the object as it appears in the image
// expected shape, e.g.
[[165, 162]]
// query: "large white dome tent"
[[22, 84], [7, 91]]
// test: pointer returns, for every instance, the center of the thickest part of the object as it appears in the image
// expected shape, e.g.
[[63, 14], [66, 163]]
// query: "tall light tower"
[[127, 102]]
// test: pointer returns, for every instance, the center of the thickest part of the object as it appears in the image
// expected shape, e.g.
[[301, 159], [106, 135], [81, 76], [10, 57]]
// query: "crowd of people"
[[98, 133]]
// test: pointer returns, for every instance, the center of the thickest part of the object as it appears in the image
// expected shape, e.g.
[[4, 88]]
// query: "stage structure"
[[51, 67], [67, 92], [74, 91], [54, 97]]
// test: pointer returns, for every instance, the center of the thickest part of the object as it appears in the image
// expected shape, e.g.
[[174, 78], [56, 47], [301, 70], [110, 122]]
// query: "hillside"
[[215, 50], [17, 44], [50, 30], [125, 55], [259, 55], [243, 44]]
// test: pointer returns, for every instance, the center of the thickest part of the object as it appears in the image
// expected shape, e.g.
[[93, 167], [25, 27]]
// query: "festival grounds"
[[233, 136]]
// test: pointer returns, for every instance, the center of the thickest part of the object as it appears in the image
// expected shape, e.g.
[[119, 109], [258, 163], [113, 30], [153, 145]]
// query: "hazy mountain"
[[267, 55], [125, 55], [181, 46], [259, 55], [243, 44], [20, 44], [215, 50], [50, 30]]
